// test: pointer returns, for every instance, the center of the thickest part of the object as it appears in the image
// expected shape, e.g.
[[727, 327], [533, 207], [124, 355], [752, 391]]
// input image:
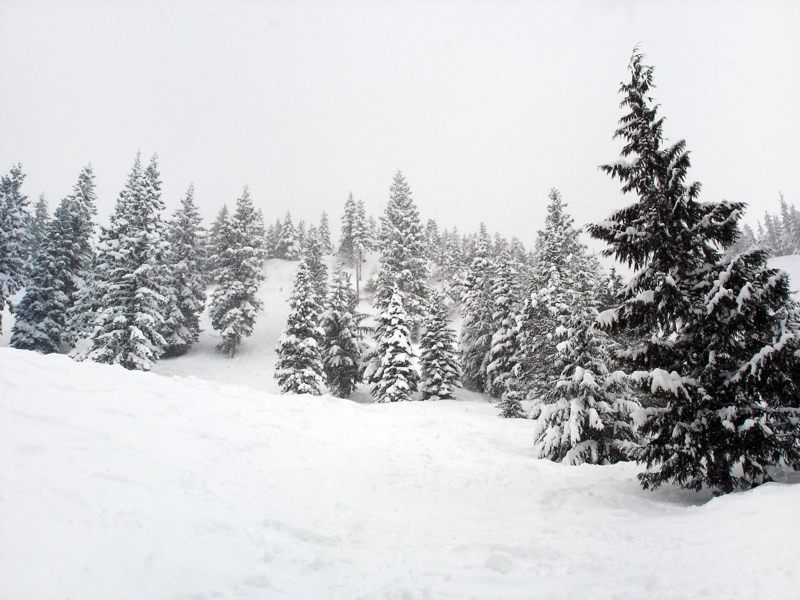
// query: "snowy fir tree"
[[477, 311], [503, 355], [273, 239], [324, 234], [186, 291], [715, 344], [563, 274], [317, 269], [584, 417], [58, 273], [347, 243], [299, 367], [216, 243], [403, 266], [341, 344], [439, 369], [240, 272], [391, 372], [289, 244], [510, 405], [129, 277], [301, 235], [36, 227], [14, 236]]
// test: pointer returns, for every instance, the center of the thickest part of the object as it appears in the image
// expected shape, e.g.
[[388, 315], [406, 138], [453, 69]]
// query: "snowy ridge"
[[122, 484]]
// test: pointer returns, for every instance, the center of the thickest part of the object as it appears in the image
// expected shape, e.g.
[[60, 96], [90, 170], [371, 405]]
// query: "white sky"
[[485, 106]]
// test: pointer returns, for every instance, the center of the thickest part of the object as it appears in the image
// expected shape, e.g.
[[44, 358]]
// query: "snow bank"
[[125, 485]]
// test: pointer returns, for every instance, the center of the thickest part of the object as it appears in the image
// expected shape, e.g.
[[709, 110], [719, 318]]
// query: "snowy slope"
[[120, 484], [196, 481]]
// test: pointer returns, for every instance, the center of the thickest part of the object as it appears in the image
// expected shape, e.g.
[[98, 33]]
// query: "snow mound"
[[117, 484]]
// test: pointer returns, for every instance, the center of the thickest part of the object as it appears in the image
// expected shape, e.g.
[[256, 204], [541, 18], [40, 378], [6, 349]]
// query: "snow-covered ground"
[[198, 481]]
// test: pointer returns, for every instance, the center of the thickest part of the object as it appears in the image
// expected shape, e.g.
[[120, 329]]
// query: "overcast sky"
[[484, 106]]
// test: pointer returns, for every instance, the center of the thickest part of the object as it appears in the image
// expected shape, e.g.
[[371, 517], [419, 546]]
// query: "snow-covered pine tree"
[[433, 242], [584, 416], [341, 344], [347, 244], [84, 301], [477, 310], [299, 367], [36, 227], [301, 236], [563, 272], [273, 239], [391, 372], [439, 370], [714, 345], [57, 273], [289, 245], [324, 233], [234, 303], [187, 284], [317, 269], [129, 277], [503, 356], [14, 236], [403, 266], [216, 242]]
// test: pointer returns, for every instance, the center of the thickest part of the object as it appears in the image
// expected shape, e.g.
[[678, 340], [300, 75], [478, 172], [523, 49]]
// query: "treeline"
[[692, 367]]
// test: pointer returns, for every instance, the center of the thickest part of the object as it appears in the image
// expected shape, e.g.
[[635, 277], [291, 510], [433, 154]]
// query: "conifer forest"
[[655, 353]]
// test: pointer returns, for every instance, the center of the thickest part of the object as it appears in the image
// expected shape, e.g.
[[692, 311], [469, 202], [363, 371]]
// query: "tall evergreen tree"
[[14, 236], [129, 277], [289, 245], [317, 269], [392, 373], [58, 273], [341, 346], [439, 369], [403, 266], [234, 304], [324, 233], [585, 414], [347, 243], [217, 241], [563, 273], [477, 310], [187, 295], [38, 223], [503, 355], [715, 345], [299, 367]]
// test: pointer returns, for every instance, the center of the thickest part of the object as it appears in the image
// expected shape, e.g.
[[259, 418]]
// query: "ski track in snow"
[[198, 481]]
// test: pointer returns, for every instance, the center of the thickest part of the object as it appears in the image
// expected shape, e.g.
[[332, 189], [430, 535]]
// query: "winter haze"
[[485, 106]]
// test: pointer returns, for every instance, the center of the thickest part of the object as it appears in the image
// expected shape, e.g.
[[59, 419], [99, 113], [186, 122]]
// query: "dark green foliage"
[[714, 343]]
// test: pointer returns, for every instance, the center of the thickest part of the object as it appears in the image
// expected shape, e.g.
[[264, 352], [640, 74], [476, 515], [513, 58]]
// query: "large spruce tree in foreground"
[[239, 274], [715, 344]]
